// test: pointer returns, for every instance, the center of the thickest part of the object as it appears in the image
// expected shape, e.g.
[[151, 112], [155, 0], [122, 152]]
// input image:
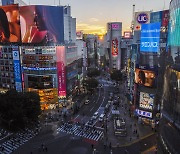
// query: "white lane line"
[[77, 116], [92, 109]]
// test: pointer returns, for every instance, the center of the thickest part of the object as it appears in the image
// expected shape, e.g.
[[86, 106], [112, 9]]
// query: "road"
[[73, 139]]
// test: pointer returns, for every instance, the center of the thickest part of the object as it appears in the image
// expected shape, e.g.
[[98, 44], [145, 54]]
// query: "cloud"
[[91, 29]]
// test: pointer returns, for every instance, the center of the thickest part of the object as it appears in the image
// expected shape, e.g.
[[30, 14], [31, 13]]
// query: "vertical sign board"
[[17, 69], [61, 71], [115, 47], [150, 35]]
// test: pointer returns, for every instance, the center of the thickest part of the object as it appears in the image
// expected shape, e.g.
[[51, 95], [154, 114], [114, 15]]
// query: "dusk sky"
[[92, 15]]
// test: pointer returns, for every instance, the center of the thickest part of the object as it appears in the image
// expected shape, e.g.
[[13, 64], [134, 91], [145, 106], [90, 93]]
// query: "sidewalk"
[[135, 131]]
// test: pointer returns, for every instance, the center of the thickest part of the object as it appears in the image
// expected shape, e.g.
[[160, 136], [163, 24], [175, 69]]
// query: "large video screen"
[[150, 36], [10, 24], [42, 24], [145, 77], [146, 101]]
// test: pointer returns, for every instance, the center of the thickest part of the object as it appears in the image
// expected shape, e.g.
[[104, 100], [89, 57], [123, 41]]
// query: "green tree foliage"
[[90, 84], [93, 72], [116, 75], [18, 110]]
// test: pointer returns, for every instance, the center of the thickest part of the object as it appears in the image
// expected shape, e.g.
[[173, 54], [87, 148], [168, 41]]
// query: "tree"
[[90, 84], [18, 109], [93, 72], [116, 75]]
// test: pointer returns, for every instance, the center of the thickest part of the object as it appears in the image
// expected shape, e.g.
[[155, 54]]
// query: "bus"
[[120, 127]]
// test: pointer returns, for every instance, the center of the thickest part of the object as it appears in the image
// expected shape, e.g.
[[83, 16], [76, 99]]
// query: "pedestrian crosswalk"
[[81, 131], [16, 141]]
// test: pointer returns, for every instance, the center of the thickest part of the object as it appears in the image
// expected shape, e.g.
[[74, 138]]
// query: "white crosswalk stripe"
[[81, 131], [16, 141]]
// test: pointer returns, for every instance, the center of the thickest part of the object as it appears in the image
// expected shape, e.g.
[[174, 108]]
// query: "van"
[[101, 117]]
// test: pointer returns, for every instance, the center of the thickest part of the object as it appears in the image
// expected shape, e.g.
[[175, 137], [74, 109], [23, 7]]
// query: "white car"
[[86, 102], [101, 117], [95, 116]]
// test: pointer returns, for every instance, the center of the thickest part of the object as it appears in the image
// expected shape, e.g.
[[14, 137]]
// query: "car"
[[95, 116], [101, 117], [86, 102], [90, 122]]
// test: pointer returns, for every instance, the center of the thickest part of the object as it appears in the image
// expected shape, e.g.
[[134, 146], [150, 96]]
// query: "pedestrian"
[[130, 138], [110, 145], [46, 149], [125, 151], [92, 145]]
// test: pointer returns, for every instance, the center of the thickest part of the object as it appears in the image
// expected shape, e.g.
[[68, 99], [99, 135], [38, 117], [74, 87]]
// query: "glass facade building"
[[169, 136]]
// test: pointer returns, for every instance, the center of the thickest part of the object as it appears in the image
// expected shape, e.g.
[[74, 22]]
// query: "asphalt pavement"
[[58, 137]]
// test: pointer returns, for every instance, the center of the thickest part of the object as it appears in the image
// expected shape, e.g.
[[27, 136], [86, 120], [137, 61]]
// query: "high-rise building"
[[169, 132], [114, 36]]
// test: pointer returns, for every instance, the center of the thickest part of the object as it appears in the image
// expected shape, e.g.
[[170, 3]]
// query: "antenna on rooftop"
[[133, 15]]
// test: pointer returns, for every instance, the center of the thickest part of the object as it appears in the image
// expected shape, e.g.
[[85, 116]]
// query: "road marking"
[[92, 109], [77, 116]]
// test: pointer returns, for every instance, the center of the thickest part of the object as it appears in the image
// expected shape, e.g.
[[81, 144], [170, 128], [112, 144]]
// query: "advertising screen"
[[10, 24], [115, 47], [141, 18], [145, 77], [174, 30], [61, 71], [165, 18], [146, 101], [17, 69], [150, 36], [156, 17], [42, 24]]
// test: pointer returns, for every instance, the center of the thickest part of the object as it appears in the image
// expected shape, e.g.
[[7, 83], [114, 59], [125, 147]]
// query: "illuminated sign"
[[17, 69], [127, 34], [39, 69], [144, 113], [150, 36], [115, 26], [146, 101], [61, 71], [115, 47], [141, 18]]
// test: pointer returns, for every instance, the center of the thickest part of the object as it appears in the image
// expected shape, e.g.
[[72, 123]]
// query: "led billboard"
[[10, 24], [42, 24], [156, 17], [115, 47], [145, 77], [165, 18], [146, 101], [150, 36], [61, 71]]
